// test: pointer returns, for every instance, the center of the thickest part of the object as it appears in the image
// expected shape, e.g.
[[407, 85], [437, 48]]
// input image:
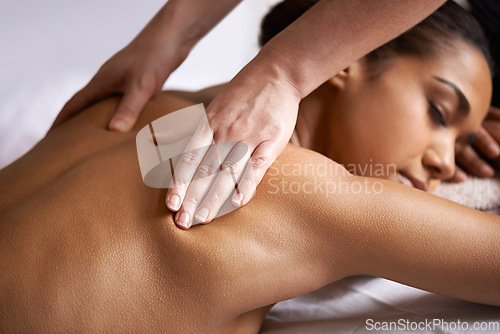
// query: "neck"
[[312, 129]]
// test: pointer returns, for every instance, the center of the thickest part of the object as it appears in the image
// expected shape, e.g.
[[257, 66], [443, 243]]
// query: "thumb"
[[128, 110]]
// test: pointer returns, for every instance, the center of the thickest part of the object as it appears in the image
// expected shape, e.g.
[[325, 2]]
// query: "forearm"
[[420, 240], [182, 23], [335, 33], [356, 225]]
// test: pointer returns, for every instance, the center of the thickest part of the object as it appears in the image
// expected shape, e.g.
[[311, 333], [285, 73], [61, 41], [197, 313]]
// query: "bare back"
[[86, 246]]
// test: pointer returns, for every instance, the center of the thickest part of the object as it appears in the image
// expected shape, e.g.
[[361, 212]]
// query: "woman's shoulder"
[[204, 96], [296, 157]]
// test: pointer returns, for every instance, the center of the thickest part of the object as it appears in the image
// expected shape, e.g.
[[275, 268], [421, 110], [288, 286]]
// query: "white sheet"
[[51, 48], [354, 304]]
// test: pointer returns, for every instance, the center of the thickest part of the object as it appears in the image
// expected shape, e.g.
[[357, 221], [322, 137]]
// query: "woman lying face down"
[[86, 246], [398, 112], [409, 118]]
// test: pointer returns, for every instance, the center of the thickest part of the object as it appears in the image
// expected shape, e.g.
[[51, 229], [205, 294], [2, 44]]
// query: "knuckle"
[[273, 130], [258, 162], [235, 131], [146, 84], [180, 182], [191, 158], [205, 170], [275, 127], [230, 166]]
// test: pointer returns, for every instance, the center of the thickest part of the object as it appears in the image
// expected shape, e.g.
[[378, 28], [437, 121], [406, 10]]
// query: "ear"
[[339, 80]]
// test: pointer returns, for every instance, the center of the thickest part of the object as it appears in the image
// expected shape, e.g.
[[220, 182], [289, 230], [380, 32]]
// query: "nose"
[[439, 159]]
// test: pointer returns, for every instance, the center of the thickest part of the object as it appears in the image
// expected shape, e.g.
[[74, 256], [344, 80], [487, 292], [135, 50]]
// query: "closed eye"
[[436, 114]]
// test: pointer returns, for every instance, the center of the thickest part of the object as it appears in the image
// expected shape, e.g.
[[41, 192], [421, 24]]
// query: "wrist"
[[271, 66]]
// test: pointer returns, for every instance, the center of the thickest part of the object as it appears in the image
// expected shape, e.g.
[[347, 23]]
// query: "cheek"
[[397, 137], [405, 120], [390, 124], [395, 111], [400, 129]]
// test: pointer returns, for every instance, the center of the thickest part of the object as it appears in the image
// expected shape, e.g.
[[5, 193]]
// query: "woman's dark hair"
[[441, 29]]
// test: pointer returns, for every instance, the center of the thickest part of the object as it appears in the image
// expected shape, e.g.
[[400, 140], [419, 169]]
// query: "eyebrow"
[[463, 104]]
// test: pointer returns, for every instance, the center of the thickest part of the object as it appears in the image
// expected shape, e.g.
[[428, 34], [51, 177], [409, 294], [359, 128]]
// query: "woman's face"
[[403, 125]]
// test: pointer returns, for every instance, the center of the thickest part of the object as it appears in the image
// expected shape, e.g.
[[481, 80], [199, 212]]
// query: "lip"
[[410, 181]]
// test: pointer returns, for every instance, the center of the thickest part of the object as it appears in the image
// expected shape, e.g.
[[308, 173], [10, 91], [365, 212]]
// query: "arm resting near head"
[[406, 235]]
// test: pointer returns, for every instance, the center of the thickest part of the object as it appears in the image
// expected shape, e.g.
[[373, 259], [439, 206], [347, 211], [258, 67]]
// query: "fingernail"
[[183, 220], [237, 198], [118, 125], [202, 215], [494, 150], [487, 170], [174, 202]]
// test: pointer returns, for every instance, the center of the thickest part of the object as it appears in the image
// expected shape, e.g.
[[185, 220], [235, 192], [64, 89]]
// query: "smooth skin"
[[85, 248], [409, 120], [73, 260], [411, 116], [259, 106]]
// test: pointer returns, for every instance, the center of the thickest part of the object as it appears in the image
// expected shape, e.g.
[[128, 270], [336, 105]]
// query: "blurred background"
[[50, 49]]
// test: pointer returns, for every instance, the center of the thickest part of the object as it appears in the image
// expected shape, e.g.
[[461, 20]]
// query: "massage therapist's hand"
[[140, 69], [252, 121], [483, 156], [138, 72]]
